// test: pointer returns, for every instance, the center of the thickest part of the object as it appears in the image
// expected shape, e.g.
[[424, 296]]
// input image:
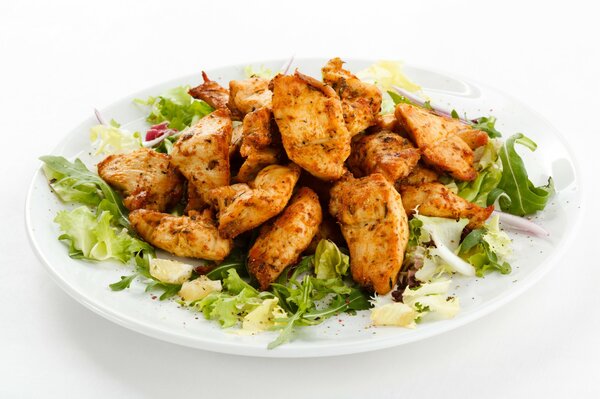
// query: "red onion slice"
[[521, 224], [99, 117]]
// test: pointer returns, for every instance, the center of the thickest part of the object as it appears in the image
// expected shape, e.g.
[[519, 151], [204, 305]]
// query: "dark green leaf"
[[487, 125], [124, 283]]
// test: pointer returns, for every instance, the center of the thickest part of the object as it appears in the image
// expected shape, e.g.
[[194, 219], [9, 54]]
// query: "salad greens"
[[516, 194], [112, 139], [177, 107], [486, 248]]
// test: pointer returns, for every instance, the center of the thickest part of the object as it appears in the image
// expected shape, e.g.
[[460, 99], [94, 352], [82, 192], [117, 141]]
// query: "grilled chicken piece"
[[311, 121], [280, 244], [384, 152], [194, 236], [236, 140], [202, 153], [260, 143], [361, 101], [473, 137], [248, 95], [211, 92], [437, 138], [145, 177], [243, 207], [419, 175], [375, 227], [385, 122], [434, 199]]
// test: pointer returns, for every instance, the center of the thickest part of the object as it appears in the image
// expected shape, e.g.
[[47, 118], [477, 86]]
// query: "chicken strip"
[[361, 101], [202, 153], [261, 143], [375, 227], [311, 121], [248, 95], [194, 236], [280, 244], [211, 92], [384, 152], [437, 138], [243, 207], [419, 175], [435, 199], [145, 177]]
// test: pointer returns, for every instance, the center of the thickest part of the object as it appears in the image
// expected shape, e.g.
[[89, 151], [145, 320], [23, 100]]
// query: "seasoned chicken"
[[311, 121], [145, 177], [236, 140], [243, 207], [473, 137], [375, 227], [212, 93], [194, 236], [361, 101], [261, 143], [248, 95], [434, 199], [280, 244], [436, 137], [419, 175], [385, 152], [202, 153], [386, 122]]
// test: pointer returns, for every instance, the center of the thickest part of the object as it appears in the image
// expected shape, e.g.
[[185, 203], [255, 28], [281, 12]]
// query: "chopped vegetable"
[[431, 300], [394, 314], [170, 271], [92, 237], [516, 194], [199, 288], [113, 140], [177, 107], [260, 72], [330, 262]]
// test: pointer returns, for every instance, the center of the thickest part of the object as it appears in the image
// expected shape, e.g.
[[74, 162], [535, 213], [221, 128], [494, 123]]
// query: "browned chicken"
[[419, 175], [202, 153], [361, 101], [243, 207], [145, 177], [311, 121], [248, 95], [261, 144], [437, 139], [212, 93], [434, 199], [385, 152], [473, 137], [280, 244], [194, 236], [375, 227], [236, 140], [386, 122]]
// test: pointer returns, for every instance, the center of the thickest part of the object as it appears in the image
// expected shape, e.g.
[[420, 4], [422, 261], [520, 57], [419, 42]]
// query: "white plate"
[[135, 309]]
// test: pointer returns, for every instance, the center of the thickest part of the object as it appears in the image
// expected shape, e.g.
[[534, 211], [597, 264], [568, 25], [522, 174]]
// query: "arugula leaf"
[[73, 182], [177, 107], [522, 197], [124, 283], [485, 248], [235, 260], [397, 98], [487, 125]]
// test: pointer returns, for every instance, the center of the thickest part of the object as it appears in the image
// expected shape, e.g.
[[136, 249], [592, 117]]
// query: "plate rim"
[[288, 351]]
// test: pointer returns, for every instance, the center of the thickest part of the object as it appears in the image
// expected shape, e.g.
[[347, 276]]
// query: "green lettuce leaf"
[[487, 248], [330, 262], [93, 237], [516, 194], [112, 139], [73, 182], [487, 125], [177, 107]]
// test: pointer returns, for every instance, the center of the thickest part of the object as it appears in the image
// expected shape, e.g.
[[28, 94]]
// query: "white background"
[[59, 59]]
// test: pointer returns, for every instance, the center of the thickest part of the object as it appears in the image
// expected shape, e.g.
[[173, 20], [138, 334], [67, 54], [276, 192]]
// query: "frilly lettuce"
[[92, 237], [487, 249], [260, 72], [431, 300], [111, 139], [386, 75], [394, 314], [446, 234], [330, 262], [177, 107], [199, 288]]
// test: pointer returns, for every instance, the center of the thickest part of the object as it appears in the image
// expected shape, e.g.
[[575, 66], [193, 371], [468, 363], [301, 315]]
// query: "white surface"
[[60, 60], [344, 334]]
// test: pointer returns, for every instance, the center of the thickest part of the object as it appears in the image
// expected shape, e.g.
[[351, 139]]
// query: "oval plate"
[[88, 282]]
